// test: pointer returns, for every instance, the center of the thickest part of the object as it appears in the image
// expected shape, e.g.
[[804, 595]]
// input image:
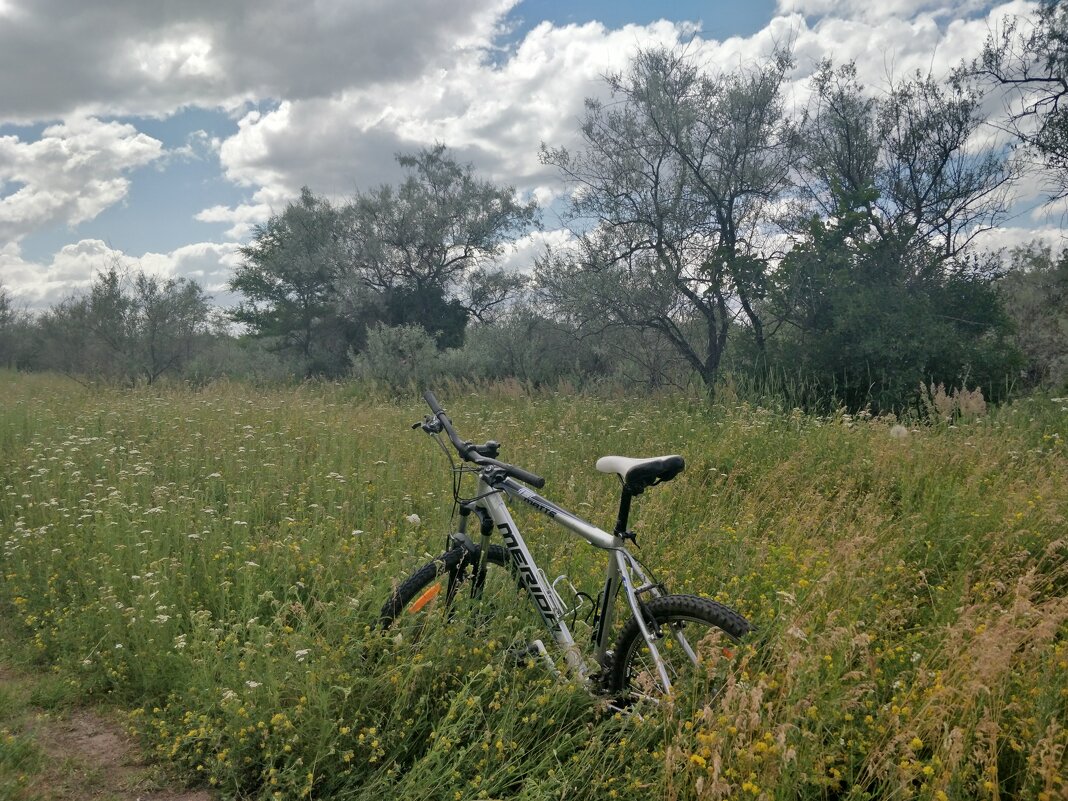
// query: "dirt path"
[[70, 753]]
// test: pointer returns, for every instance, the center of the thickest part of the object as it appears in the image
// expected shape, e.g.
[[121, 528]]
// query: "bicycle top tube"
[[595, 536]]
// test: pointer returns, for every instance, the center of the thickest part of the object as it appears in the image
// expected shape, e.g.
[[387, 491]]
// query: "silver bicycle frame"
[[622, 569]]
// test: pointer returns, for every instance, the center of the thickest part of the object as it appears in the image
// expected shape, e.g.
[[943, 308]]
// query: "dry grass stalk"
[[960, 403]]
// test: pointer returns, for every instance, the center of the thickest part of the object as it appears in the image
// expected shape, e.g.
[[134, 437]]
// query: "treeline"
[[826, 255], [133, 328]]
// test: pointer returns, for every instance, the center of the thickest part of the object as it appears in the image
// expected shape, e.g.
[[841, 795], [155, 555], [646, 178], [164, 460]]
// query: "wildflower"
[[413, 519], [698, 760], [252, 685]]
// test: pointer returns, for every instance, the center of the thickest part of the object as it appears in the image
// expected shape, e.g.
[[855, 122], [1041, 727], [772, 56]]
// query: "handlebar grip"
[[527, 478]]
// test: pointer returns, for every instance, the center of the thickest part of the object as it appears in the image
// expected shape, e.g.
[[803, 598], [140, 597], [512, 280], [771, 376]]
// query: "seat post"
[[624, 512]]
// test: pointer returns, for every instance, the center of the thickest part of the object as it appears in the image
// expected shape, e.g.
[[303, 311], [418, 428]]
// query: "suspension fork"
[[485, 526], [461, 538]]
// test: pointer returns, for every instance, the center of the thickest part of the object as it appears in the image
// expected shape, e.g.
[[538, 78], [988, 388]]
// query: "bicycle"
[[667, 638]]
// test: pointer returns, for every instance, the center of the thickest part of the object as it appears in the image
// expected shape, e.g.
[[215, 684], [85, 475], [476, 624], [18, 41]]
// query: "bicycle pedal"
[[535, 648], [519, 654]]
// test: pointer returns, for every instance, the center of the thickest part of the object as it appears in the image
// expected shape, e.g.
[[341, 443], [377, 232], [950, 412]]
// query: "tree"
[[872, 318], [317, 277], [428, 246], [13, 336], [289, 278], [7, 317], [1028, 61], [1035, 289], [489, 293], [127, 328], [906, 161], [879, 290], [169, 321], [675, 192]]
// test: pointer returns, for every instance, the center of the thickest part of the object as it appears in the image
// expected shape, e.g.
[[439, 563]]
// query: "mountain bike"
[[668, 639]]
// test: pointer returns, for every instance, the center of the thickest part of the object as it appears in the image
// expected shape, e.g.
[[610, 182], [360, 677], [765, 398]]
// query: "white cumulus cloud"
[[72, 268], [70, 174]]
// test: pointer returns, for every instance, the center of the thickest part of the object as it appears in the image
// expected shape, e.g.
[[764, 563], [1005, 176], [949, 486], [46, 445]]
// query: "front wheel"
[[695, 637], [439, 583]]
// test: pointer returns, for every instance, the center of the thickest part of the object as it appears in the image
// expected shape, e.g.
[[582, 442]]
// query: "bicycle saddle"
[[637, 474]]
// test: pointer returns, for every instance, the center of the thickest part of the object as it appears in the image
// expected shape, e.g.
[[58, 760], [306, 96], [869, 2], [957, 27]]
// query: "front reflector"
[[428, 595]]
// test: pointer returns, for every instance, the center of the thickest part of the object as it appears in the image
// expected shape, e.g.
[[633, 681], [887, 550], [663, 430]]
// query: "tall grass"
[[214, 562]]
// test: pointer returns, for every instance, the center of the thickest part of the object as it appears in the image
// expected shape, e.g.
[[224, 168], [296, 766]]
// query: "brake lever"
[[431, 425]]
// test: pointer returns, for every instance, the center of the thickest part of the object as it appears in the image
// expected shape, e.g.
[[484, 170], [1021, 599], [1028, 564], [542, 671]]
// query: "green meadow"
[[212, 564]]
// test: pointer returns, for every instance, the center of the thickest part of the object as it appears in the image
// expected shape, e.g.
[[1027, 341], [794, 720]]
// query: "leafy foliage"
[[399, 356], [128, 328], [317, 277], [1035, 290], [11, 343], [880, 291], [864, 326], [289, 278], [440, 227]]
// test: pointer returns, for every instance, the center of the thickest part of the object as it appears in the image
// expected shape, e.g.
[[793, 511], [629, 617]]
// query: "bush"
[[400, 356]]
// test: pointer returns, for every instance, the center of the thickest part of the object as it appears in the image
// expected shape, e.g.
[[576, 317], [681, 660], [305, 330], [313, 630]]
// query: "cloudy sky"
[[160, 133]]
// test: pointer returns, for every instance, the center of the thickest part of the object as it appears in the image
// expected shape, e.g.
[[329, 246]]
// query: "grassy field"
[[213, 562]]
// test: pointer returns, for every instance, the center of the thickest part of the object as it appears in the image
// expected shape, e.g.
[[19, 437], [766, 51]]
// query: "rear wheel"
[[696, 638], [450, 582]]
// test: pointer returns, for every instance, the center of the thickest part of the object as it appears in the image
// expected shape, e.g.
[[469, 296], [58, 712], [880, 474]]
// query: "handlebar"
[[470, 452]]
